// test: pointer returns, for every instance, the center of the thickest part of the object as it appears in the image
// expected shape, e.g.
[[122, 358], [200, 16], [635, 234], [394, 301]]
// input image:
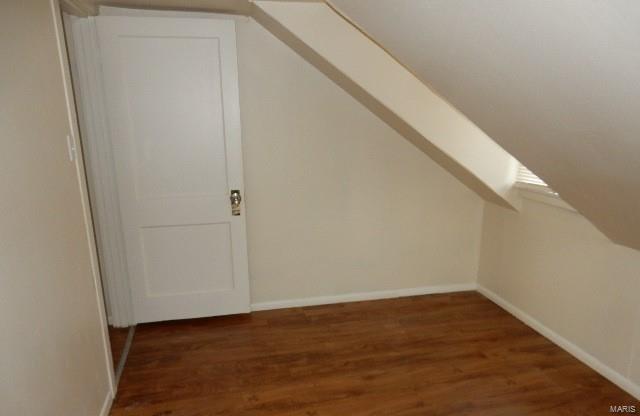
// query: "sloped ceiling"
[[556, 83]]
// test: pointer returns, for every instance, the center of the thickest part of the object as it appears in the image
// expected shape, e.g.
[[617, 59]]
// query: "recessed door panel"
[[181, 94], [187, 259]]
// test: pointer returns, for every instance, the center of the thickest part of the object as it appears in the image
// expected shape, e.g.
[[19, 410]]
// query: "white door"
[[174, 122]]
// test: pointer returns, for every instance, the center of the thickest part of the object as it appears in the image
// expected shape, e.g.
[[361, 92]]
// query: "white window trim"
[[533, 188], [543, 194], [540, 189]]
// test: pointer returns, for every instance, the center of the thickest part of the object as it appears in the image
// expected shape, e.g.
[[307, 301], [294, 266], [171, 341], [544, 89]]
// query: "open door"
[[171, 89]]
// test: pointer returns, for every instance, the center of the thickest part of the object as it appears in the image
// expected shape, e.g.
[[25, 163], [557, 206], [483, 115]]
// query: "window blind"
[[528, 177]]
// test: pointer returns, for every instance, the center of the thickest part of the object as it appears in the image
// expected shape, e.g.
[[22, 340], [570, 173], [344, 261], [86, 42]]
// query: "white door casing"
[[171, 90], [85, 60]]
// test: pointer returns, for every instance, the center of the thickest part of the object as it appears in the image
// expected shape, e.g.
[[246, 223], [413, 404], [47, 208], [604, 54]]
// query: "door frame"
[[73, 142], [101, 174]]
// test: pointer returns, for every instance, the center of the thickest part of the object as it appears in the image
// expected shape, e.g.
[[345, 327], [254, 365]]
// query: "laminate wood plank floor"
[[449, 354]]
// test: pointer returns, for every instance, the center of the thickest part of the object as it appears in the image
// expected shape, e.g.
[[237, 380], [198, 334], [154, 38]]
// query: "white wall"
[[558, 268], [53, 361], [338, 202]]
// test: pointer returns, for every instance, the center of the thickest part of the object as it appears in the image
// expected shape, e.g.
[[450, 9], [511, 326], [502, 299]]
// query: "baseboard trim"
[[607, 372], [106, 406], [361, 296]]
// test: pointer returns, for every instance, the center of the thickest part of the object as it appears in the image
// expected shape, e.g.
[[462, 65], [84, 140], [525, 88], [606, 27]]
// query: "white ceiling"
[[556, 83]]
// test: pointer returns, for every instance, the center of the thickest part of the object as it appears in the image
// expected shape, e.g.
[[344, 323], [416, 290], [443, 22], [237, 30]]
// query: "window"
[[528, 177], [529, 180]]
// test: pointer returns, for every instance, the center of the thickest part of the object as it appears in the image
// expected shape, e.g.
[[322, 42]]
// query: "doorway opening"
[[158, 109]]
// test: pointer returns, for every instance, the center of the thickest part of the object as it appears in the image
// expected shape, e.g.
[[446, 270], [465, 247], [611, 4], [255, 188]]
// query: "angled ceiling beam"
[[555, 84], [389, 90]]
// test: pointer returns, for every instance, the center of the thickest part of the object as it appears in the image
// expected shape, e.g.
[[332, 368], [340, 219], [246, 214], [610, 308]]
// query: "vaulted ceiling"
[[555, 83]]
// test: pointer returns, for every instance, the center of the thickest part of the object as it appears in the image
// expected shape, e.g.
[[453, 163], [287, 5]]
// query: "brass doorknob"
[[235, 199]]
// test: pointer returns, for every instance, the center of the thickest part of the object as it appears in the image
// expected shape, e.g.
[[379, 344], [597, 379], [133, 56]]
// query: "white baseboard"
[[609, 373], [106, 406], [356, 297]]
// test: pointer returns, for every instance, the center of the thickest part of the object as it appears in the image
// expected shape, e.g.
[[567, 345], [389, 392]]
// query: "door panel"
[[202, 250], [172, 102], [181, 94]]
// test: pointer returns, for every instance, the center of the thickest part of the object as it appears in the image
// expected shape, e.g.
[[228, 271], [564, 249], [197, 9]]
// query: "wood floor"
[[453, 354]]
